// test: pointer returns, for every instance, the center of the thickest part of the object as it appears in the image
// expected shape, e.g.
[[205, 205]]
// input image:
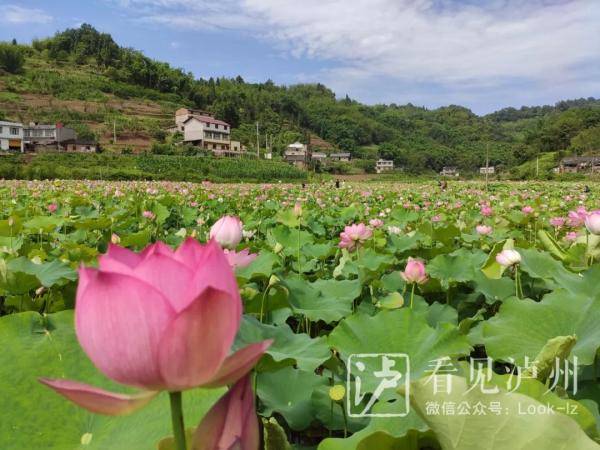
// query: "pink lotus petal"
[[197, 341], [157, 247], [214, 271], [240, 259], [98, 400], [239, 364], [190, 253], [119, 322], [172, 278], [117, 259], [231, 423]]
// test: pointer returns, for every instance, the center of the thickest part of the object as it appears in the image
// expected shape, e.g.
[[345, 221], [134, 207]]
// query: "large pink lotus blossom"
[[52, 207], [354, 234], [577, 217], [527, 209], [592, 222], [414, 272], [158, 320], [227, 231], [231, 423], [239, 259]]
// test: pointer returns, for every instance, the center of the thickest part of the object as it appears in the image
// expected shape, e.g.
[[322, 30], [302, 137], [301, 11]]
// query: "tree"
[[11, 58]]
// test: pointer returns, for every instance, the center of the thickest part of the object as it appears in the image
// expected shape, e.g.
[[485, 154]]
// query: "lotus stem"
[[412, 295], [177, 420]]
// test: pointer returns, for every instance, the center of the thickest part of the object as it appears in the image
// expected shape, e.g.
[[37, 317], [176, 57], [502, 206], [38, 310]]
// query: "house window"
[[214, 146], [0, 130], [14, 131]]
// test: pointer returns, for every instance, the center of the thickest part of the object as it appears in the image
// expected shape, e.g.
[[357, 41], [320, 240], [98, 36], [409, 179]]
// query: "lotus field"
[[370, 316]]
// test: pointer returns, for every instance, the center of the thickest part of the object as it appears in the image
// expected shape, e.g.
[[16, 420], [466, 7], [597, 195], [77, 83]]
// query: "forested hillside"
[[83, 78]]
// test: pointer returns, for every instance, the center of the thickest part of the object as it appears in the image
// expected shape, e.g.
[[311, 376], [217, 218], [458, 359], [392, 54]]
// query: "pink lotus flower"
[[158, 320], [527, 209], [483, 229], [227, 231], [149, 215], [577, 217], [508, 257], [414, 272], [353, 234], [436, 218], [571, 236], [376, 223], [52, 207], [239, 259], [592, 222], [486, 211], [558, 222], [231, 423]]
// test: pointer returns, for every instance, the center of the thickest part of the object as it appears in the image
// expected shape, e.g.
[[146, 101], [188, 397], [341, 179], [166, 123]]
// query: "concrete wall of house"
[[194, 131]]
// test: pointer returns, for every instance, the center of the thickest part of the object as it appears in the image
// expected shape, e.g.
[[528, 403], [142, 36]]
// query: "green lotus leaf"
[[288, 348], [522, 328], [515, 421]]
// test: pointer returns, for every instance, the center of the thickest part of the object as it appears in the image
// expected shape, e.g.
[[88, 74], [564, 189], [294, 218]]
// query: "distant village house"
[[449, 172], [488, 170], [342, 157], [296, 154], [203, 130], [384, 165], [11, 137], [578, 164], [40, 137]]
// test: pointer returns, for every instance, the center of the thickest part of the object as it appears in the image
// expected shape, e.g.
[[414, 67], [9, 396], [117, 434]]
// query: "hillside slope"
[[82, 78]]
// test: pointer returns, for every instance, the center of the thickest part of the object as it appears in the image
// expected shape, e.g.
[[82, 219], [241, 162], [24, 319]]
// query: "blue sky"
[[484, 54]]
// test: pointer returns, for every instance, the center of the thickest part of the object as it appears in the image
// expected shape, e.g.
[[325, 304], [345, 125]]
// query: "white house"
[[383, 165], [11, 136], [207, 132]]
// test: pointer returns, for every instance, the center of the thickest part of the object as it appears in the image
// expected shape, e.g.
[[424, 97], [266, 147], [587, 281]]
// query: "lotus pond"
[[401, 316]]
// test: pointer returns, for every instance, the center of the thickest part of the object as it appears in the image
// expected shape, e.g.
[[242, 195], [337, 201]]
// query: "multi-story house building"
[[296, 154], [207, 132], [11, 136], [57, 136], [384, 165]]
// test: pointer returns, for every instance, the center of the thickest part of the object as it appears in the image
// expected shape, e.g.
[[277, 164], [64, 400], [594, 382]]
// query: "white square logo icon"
[[375, 376]]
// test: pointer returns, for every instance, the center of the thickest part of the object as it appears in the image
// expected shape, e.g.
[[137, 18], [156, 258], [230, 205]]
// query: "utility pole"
[[114, 131], [257, 142], [537, 167]]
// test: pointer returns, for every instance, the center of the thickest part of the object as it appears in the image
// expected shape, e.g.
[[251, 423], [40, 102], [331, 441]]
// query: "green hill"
[[84, 79]]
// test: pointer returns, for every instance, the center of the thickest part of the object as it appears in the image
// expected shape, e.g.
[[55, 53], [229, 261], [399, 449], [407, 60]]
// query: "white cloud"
[[14, 14], [462, 46]]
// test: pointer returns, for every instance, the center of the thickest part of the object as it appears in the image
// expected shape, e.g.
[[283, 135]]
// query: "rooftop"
[[12, 124], [206, 119]]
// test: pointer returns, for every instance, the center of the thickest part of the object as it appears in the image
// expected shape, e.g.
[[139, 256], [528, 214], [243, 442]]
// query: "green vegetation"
[[122, 88], [143, 167]]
